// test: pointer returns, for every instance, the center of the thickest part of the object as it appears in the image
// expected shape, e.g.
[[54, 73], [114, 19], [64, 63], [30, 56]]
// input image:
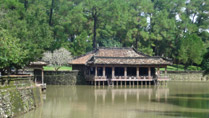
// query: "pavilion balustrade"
[[162, 76], [139, 74], [123, 77]]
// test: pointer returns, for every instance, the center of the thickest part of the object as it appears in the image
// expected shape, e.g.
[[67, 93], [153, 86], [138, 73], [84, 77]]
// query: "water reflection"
[[174, 101], [139, 94], [189, 100]]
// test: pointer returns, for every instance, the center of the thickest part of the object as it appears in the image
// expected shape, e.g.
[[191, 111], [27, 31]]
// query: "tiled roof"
[[117, 52], [131, 60], [82, 59], [118, 56]]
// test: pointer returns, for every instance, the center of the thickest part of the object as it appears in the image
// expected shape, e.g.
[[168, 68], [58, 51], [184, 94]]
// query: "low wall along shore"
[[64, 77], [76, 77], [18, 96], [187, 76]]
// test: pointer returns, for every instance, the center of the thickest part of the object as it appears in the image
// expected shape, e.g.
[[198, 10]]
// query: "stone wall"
[[18, 97], [187, 76], [63, 77]]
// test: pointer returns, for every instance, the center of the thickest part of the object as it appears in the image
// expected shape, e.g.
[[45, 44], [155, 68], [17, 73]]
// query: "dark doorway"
[[131, 71], [108, 72], [92, 71], [119, 71], [37, 75], [152, 71], [99, 71], [143, 71]]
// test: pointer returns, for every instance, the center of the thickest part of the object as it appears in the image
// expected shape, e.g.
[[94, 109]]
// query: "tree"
[[94, 10], [11, 51], [155, 27], [58, 58], [51, 12], [138, 25], [191, 50], [205, 63], [81, 44], [30, 27]]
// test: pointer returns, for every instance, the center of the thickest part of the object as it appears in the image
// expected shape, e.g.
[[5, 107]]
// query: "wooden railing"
[[92, 77]]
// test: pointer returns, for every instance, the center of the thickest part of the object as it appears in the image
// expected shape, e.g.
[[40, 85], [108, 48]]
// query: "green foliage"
[[26, 32], [146, 50], [205, 62], [81, 44], [110, 43], [11, 52], [191, 50], [170, 28]]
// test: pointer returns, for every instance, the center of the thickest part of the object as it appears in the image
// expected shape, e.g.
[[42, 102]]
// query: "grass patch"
[[179, 67], [48, 68]]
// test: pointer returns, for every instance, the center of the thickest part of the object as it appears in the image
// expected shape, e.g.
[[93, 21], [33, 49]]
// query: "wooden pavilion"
[[38, 72], [114, 66]]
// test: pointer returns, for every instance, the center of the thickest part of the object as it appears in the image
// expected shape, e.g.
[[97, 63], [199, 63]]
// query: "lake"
[[176, 100]]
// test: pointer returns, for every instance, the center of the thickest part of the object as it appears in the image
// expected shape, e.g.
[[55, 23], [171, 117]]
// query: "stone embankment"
[[187, 76], [63, 77], [18, 96]]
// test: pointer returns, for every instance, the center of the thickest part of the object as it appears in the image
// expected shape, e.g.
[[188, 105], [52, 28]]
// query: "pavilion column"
[[149, 72], [35, 77], [125, 72], [137, 72], [42, 75], [166, 71], [95, 70], [113, 72], [158, 71], [103, 71]]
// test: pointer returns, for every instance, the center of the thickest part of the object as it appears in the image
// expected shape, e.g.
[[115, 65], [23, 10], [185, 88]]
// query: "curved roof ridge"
[[90, 52], [118, 55], [141, 53], [114, 48], [128, 57]]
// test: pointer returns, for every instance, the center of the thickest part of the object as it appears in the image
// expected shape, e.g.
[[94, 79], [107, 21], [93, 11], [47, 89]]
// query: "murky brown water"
[[177, 100]]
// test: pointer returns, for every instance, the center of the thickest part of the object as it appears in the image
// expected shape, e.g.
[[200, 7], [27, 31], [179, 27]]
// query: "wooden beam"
[[125, 72], [149, 72], [158, 71], [137, 72], [42, 75], [103, 70], [113, 72], [95, 70]]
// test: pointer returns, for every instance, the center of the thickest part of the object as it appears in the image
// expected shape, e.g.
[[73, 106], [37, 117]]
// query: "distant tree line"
[[177, 29]]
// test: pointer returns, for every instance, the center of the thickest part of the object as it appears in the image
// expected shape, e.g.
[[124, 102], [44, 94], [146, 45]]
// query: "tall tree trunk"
[[95, 33], [26, 4], [51, 13], [94, 14], [137, 38]]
